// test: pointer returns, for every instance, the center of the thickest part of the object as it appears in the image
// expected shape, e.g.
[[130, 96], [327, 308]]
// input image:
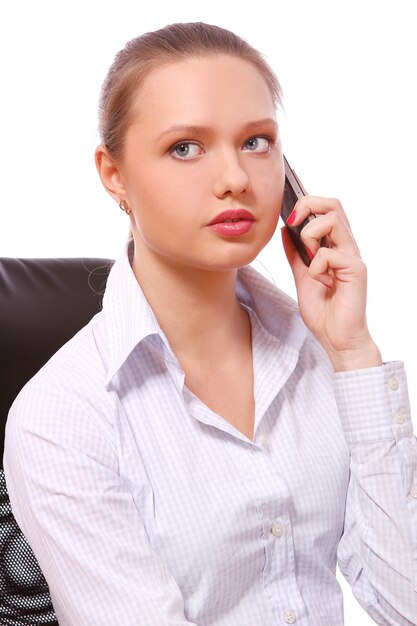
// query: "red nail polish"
[[291, 217], [310, 254]]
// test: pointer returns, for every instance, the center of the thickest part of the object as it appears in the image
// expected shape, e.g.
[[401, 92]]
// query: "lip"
[[244, 222], [232, 214]]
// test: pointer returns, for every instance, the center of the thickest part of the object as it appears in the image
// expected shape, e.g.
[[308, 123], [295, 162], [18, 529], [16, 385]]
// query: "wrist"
[[366, 356]]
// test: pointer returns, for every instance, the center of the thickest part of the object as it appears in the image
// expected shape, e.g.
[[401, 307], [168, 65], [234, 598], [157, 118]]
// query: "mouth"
[[233, 223], [231, 216]]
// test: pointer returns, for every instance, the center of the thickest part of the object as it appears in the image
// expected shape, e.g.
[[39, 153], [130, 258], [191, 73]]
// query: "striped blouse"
[[146, 508]]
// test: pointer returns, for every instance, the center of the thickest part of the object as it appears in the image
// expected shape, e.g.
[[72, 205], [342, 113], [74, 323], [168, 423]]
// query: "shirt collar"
[[129, 317], [277, 312]]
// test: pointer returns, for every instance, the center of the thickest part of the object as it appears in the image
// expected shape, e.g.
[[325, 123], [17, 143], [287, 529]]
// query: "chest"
[[227, 392], [221, 375], [209, 499]]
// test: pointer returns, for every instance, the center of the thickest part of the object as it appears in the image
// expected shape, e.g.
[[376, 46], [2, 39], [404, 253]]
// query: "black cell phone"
[[292, 191]]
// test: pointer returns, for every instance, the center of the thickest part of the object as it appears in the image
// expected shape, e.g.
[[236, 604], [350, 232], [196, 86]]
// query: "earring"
[[125, 209]]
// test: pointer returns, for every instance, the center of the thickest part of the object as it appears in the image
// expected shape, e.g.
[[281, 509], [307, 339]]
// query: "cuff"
[[373, 403]]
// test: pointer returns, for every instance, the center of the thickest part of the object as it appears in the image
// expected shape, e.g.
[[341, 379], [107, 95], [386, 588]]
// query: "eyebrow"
[[200, 130]]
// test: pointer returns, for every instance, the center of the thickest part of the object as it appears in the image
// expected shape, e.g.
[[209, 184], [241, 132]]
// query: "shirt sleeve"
[[377, 553], [80, 519]]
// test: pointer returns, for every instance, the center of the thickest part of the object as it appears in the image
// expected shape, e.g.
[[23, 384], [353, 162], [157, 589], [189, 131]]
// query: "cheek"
[[269, 178], [270, 189], [270, 194], [165, 211], [170, 188]]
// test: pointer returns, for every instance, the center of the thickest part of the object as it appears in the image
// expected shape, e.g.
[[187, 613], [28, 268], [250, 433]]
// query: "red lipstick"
[[223, 225]]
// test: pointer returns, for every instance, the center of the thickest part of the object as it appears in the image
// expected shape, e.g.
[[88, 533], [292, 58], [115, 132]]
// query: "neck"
[[197, 309]]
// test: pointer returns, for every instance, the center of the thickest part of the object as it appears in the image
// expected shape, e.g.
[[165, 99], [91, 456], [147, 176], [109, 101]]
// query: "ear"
[[109, 173]]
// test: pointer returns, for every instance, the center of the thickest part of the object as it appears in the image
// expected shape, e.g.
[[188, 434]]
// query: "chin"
[[235, 259]]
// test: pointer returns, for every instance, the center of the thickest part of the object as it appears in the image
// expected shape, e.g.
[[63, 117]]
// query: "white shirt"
[[146, 508]]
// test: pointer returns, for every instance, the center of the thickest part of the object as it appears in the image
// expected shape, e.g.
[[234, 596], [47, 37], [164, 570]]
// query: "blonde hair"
[[142, 55]]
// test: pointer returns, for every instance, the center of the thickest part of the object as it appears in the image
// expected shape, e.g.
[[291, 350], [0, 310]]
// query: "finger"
[[316, 205], [334, 232], [329, 264]]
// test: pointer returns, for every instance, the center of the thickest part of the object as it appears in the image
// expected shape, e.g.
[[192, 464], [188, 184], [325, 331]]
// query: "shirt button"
[[278, 530], [413, 492], [399, 417], [290, 617], [393, 383]]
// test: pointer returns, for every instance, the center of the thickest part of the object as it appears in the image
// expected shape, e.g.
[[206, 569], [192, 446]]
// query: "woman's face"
[[203, 140]]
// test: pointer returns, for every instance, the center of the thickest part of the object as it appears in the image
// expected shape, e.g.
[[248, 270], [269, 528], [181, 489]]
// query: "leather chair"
[[43, 303]]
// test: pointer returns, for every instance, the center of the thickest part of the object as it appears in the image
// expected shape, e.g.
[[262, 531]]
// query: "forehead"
[[208, 90]]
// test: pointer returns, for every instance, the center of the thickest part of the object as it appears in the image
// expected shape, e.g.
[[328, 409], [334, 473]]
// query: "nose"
[[230, 177]]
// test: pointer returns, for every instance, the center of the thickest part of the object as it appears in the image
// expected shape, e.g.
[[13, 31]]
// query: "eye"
[[259, 144], [185, 150]]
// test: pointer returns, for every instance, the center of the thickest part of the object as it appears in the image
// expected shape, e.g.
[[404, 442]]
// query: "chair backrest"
[[43, 303]]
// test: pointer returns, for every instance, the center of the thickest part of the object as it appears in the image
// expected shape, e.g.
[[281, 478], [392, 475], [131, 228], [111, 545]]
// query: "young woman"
[[204, 451]]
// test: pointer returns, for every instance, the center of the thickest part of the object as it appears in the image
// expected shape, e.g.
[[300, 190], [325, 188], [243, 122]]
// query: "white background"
[[348, 72]]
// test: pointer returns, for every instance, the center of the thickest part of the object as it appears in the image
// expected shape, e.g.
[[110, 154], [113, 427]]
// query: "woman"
[[201, 453]]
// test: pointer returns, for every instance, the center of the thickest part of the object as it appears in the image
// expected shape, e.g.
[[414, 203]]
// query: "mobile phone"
[[293, 190]]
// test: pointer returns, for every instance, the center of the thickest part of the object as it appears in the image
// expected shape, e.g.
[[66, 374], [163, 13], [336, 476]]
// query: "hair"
[[145, 53]]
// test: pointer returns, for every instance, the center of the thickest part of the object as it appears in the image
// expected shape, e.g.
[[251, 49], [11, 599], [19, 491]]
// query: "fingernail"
[[310, 254], [291, 217]]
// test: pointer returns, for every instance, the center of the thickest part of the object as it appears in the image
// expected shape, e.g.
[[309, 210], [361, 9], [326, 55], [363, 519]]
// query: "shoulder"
[[68, 392]]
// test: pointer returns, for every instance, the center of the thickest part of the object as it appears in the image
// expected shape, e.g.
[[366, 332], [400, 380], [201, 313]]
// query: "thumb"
[[298, 268]]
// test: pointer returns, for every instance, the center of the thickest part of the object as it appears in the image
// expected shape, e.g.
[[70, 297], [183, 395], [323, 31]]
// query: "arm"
[[377, 553], [378, 550], [80, 519]]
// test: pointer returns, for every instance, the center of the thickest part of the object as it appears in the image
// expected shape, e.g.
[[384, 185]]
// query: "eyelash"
[[185, 142]]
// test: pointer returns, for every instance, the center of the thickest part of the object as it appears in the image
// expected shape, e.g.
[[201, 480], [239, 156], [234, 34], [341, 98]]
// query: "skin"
[[187, 271]]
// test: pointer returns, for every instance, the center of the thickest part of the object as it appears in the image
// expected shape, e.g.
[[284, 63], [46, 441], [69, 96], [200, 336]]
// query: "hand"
[[332, 291]]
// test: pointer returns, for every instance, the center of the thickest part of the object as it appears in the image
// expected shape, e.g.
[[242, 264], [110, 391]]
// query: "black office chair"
[[43, 303]]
